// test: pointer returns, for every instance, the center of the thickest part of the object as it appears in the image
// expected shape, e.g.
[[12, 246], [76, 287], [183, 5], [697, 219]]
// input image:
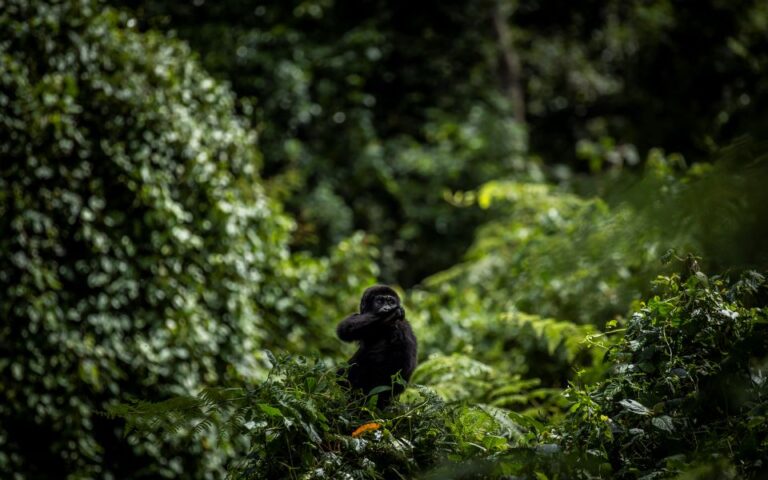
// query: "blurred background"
[[184, 184]]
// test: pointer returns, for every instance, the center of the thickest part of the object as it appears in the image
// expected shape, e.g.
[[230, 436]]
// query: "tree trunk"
[[509, 62]]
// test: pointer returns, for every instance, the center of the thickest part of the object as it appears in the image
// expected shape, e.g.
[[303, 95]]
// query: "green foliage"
[[619, 74], [459, 379], [300, 423], [687, 385], [456, 319], [145, 253], [363, 119], [627, 75], [511, 360], [557, 254], [419, 174], [140, 255], [341, 93]]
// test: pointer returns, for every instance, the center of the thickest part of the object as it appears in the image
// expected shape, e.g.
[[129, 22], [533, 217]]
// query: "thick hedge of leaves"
[[688, 391], [140, 256]]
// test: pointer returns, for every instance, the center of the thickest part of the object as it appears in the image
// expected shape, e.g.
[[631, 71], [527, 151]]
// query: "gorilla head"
[[379, 299]]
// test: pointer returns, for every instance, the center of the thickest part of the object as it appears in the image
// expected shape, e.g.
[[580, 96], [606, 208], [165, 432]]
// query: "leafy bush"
[[686, 395], [456, 319], [548, 251], [556, 254], [459, 379], [140, 256], [300, 423], [688, 388]]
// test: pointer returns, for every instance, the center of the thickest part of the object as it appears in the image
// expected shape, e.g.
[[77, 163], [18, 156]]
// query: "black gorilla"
[[387, 343]]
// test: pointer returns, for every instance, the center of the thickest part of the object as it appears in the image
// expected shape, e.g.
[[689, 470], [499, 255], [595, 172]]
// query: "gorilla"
[[387, 343]]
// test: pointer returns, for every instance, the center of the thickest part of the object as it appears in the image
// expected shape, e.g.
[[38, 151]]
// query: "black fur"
[[387, 343]]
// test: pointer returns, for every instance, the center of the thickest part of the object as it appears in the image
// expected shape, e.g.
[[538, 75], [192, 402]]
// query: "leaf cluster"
[[687, 385]]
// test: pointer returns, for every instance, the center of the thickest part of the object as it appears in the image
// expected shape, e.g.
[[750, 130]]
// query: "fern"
[[203, 412]]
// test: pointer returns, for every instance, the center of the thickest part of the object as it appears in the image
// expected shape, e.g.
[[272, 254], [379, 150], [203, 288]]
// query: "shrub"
[[556, 254], [300, 423], [139, 255], [688, 389], [553, 253], [527, 359]]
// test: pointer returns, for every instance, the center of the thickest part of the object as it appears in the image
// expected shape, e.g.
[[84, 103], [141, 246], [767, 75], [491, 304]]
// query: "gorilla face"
[[379, 299], [385, 303]]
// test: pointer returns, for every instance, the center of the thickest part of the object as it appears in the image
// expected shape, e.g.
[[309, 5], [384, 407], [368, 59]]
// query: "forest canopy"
[[568, 196]]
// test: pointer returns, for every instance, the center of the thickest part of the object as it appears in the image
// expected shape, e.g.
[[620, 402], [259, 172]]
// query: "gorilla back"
[[387, 343]]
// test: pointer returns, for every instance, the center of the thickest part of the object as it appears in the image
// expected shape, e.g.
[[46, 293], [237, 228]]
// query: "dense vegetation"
[[571, 194], [686, 384]]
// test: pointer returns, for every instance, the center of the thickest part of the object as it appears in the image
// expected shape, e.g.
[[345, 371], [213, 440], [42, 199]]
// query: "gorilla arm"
[[361, 325]]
